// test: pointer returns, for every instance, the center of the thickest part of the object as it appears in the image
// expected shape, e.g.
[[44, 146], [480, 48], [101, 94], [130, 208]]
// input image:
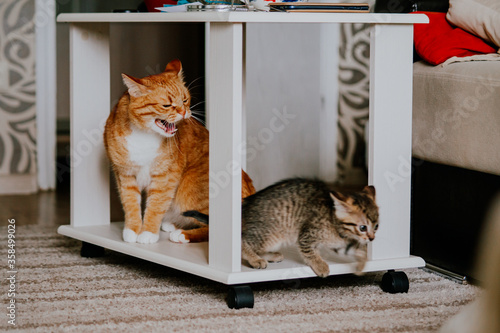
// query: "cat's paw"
[[258, 263], [321, 269], [147, 237], [129, 236], [168, 227], [177, 236]]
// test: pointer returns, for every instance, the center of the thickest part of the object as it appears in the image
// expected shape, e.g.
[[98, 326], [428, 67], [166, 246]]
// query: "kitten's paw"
[[274, 257], [321, 269], [258, 263], [168, 227], [359, 273], [129, 236], [147, 237], [177, 236], [359, 269]]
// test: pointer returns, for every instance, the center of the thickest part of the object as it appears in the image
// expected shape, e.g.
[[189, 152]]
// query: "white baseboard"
[[18, 184]]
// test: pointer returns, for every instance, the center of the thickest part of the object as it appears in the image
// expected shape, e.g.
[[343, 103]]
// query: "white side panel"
[[90, 91], [46, 93], [390, 136], [225, 119]]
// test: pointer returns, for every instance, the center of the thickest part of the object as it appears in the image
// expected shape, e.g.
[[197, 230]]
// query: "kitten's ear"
[[370, 191], [336, 196], [341, 203], [175, 67], [135, 88]]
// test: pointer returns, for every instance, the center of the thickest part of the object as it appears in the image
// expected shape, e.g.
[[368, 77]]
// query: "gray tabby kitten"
[[307, 213]]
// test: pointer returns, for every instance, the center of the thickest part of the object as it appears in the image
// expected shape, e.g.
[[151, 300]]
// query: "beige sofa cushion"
[[456, 114], [480, 17]]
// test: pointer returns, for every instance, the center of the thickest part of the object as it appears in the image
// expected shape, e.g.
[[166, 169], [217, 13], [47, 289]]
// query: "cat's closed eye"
[[167, 105]]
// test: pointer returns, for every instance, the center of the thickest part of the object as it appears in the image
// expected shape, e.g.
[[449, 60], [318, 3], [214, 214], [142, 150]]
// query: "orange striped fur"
[[159, 150]]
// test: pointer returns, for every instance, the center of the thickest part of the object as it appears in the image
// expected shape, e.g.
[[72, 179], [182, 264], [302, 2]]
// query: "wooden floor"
[[48, 208]]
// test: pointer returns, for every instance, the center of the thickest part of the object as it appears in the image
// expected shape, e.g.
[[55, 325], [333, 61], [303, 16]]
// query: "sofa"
[[456, 131]]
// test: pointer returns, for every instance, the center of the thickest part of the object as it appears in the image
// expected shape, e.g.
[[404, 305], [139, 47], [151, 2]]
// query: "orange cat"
[[156, 148]]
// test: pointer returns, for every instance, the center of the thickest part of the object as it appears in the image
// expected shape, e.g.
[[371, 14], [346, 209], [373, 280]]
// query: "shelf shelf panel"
[[246, 17], [193, 258]]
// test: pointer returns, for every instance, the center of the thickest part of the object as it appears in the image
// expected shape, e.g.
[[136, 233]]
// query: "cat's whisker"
[[194, 87], [198, 78], [198, 113], [195, 105], [198, 119]]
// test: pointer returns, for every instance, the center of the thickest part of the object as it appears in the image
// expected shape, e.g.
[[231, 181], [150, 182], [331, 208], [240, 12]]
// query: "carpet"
[[59, 291]]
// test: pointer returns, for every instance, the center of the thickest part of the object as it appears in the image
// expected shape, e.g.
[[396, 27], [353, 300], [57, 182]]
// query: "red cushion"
[[438, 41]]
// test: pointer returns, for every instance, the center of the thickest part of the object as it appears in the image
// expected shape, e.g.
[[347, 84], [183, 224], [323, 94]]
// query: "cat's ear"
[[135, 88], [341, 202], [175, 67], [370, 191]]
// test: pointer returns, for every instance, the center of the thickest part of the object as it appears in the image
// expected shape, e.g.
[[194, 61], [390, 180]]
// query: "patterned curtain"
[[17, 87], [354, 84]]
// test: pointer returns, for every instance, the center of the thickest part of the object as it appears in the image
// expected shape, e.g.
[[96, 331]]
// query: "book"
[[319, 7]]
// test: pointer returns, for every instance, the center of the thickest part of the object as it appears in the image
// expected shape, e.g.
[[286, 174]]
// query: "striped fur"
[[306, 213]]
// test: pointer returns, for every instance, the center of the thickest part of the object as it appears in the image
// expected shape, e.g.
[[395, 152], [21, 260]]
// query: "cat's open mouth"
[[167, 127]]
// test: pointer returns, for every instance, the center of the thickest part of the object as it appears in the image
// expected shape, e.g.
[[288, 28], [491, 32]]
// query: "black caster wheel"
[[240, 297], [91, 250], [395, 282]]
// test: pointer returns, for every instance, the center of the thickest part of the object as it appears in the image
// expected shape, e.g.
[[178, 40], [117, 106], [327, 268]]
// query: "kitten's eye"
[[185, 101], [167, 105], [376, 227], [362, 228]]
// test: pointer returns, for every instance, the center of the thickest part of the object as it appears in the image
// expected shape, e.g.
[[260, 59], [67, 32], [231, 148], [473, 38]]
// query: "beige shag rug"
[[59, 291]]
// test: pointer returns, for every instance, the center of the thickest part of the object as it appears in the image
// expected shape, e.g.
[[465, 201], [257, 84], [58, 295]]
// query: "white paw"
[[168, 227], [129, 236], [176, 236], [147, 237]]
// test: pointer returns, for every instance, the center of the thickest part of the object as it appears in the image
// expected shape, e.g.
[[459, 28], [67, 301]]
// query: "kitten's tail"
[[196, 215]]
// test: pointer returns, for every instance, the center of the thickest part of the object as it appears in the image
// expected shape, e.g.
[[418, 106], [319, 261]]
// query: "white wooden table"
[[220, 258]]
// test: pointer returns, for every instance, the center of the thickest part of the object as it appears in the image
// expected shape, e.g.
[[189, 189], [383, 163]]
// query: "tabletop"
[[246, 17]]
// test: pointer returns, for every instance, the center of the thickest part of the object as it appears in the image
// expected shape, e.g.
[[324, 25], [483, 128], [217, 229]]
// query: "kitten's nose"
[[371, 237]]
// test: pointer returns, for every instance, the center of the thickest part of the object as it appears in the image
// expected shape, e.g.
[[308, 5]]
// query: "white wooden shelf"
[[245, 17], [193, 258], [220, 259]]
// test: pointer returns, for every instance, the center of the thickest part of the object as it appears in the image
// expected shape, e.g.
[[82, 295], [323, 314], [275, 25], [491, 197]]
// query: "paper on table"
[[178, 8]]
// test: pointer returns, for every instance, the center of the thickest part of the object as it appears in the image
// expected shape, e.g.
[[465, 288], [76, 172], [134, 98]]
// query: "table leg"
[[90, 106], [391, 54], [225, 119]]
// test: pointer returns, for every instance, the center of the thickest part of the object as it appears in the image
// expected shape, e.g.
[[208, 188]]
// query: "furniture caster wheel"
[[395, 282], [91, 250], [240, 297]]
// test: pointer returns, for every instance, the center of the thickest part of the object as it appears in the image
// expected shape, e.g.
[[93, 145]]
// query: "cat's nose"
[[182, 111], [371, 237]]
